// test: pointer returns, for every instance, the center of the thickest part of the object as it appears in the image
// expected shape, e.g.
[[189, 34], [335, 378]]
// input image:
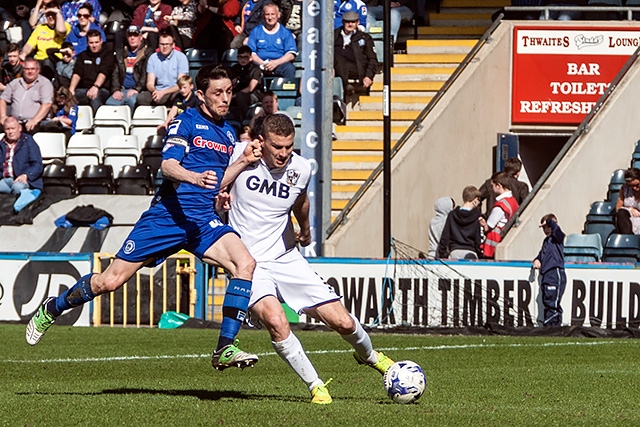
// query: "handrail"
[[570, 8], [582, 128], [416, 125]]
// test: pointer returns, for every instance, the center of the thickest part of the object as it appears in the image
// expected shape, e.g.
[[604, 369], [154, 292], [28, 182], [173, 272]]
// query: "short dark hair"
[[631, 174], [470, 193], [244, 49], [277, 124], [512, 166], [93, 33], [502, 178], [87, 6], [548, 216], [13, 47], [208, 73], [67, 45], [271, 94], [165, 33]]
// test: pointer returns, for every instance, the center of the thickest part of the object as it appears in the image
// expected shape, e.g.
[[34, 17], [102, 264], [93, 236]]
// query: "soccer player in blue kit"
[[196, 153]]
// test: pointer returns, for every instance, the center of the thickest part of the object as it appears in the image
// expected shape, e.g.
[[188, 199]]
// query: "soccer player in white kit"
[[261, 200]]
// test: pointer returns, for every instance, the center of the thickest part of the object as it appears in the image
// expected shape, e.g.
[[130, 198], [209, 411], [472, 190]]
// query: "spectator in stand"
[[89, 81], [12, 69], [77, 35], [63, 66], [20, 164], [293, 20], [519, 189], [342, 7], [216, 27], [30, 97], [186, 99], [182, 23], [461, 235], [45, 36], [20, 19], [503, 209], [442, 207], [150, 19], [273, 46], [129, 75], [400, 12], [164, 68], [37, 15], [354, 56], [249, 17], [628, 204], [247, 83], [564, 15], [70, 10], [63, 115], [269, 106]]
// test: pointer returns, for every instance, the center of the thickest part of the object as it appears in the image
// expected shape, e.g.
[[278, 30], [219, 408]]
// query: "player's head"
[[500, 181], [214, 90], [543, 223], [512, 166], [277, 140]]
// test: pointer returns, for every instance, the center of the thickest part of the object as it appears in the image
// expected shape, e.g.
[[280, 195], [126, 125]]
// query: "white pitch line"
[[199, 356]]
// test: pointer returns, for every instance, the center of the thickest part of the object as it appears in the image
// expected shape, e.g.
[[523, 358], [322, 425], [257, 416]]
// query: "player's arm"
[[251, 153], [301, 211], [173, 170]]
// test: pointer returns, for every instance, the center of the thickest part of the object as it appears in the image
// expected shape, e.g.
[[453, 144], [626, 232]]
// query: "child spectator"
[[246, 135], [460, 237], [64, 61], [443, 206], [64, 113], [185, 99], [550, 262], [503, 209]]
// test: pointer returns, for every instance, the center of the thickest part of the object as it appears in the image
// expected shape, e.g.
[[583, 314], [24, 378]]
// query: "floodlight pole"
[[386, 128]]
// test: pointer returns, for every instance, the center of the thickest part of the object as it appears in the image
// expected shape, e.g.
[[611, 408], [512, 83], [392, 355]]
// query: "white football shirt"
[[262, 201]]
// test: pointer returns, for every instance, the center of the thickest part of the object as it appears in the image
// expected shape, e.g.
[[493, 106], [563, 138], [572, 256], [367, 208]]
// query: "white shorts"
[[292, 280]]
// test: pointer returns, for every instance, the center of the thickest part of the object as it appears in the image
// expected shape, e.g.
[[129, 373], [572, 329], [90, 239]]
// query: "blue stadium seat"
[[199, 58], [230, 57], [583, 248], [600, 220], [287, 91], [615, 184], [622, 248]]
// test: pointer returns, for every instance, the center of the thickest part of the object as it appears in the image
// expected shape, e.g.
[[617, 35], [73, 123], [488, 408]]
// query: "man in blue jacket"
[[20, 160]]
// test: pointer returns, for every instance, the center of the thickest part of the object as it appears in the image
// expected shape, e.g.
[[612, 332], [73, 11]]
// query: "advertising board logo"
[[584, 41], [38, 280]]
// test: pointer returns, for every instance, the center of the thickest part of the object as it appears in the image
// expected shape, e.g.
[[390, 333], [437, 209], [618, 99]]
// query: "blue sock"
[[77, 295], [234, 310]]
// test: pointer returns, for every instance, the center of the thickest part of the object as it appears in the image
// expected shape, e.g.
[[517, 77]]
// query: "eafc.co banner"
[[433, 294], [560, 73]]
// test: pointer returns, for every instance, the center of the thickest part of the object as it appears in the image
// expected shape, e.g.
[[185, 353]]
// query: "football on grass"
[[404, 381]]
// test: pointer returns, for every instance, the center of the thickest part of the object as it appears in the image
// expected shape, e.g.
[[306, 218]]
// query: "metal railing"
[[416, 125], [568, 8]]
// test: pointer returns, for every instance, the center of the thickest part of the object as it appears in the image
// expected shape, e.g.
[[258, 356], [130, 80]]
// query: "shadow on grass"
[[200, 394]]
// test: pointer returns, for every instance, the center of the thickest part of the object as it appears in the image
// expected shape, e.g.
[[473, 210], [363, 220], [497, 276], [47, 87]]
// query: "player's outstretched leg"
[[234, 311], [51, 308], [320, 394]]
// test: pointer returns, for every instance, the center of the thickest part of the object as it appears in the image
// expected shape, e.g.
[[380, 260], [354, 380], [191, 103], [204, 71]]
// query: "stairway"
[[416, 76]]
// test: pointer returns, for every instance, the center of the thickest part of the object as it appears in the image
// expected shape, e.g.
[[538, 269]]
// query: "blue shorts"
[[159, 234]]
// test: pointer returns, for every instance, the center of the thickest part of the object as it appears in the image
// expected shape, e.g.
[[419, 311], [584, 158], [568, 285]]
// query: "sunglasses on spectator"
[[84, 15]]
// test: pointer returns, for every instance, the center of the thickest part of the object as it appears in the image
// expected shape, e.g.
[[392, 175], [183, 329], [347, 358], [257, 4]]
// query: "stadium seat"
[[148, 115], [96, 179], [152, 153], [287, 91], [52, 145], [84, 124], [295, 113], [134, 180], [622, 248], [59, 179], [121, 150], [83, 150], [253, 110], [230, 57], [199, 58], [112, 120], [615, 184], [583, 248], [600, 220]]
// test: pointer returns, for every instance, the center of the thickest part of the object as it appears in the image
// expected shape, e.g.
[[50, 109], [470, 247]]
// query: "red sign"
[[560, 73]]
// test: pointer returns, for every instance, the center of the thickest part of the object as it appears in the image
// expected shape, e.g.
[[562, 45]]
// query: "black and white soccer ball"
[[404, 381]]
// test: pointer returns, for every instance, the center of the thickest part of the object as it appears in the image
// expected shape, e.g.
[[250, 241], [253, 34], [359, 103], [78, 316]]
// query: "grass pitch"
[[151, 377]]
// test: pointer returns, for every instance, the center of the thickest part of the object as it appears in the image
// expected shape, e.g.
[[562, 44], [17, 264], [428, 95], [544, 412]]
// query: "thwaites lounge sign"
[[560, 73]]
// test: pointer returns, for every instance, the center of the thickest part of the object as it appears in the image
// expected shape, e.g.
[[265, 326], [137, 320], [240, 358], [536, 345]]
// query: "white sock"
[[291, 351], [361, 343]]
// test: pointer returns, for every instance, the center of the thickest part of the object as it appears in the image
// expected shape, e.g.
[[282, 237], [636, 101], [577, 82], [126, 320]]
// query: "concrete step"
[[350, 175], [459, 46], [409, 86], [345, 187], [355, 157], [410, 115], [445, 58], [444, 32], [374, 123], [360, 145], [338, 204], [403, 94], [474, 3], [352, 133], [374, 102], [460, 19]]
